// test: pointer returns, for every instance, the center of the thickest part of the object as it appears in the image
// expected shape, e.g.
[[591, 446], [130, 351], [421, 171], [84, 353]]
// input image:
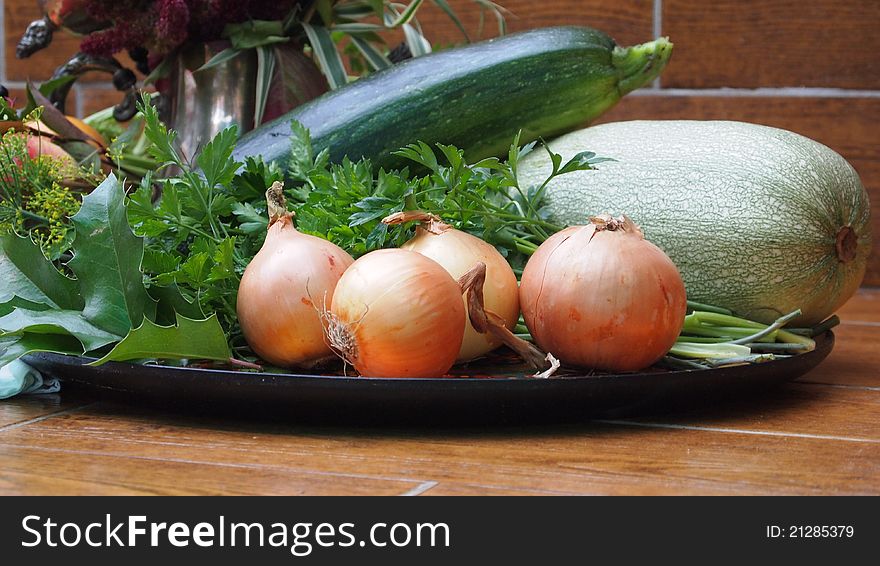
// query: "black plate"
[[337, 399]]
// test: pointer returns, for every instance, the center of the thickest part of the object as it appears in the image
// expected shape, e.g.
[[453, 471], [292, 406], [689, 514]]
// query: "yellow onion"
[[601, 296], [458, 252], [284, 289], [396, 313]]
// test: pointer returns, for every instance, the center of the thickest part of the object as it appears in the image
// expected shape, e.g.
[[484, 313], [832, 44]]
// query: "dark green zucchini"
[[543, 82]]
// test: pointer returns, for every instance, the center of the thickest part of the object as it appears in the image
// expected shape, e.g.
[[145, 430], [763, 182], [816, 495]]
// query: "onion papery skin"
[[283, 292], [458, 252], [401, 315], [601, 299]]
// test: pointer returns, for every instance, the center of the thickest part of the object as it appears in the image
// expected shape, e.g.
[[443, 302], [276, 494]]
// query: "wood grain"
[[782, 43], [28, 407], [863, 307], [803, 438], [855, 359], [592, 458], [800, 409], [847, 125], [36, 471]]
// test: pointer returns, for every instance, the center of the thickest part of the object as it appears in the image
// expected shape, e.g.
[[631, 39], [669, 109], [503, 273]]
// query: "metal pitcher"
[[201, 103]]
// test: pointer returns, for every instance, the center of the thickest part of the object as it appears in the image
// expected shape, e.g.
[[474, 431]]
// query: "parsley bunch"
[[208, 222], [211, 218], [345, 202]]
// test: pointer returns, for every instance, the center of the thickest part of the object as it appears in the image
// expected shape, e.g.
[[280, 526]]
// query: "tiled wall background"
[[810, 66]]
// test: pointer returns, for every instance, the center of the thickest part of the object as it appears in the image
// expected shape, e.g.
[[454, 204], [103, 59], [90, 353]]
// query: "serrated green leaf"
[[376, 238], [555, 159], [454, 156], [18, 303], [188, 339], [215, 158], [196, 269], [33, 343], [250, 184], [302, 158], [22, 321], [172, 302], [224, 263], [26, 273], [420, 153], [153, 227], [249, 218], [157, 261], [580, 162], [140, 204], [107, 261], [222, 205], [161, 139], [203, 245]]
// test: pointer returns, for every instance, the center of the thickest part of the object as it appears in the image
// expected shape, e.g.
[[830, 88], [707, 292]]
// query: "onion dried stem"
[[426, 220], [484, 320]]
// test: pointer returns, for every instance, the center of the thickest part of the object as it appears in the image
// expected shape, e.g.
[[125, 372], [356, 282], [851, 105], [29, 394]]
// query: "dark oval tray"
[[337, 399]]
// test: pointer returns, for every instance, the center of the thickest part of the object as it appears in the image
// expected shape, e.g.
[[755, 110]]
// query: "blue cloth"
[[18, 378]]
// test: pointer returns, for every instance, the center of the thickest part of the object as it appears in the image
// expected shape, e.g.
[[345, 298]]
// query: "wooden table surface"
[[817, 435]]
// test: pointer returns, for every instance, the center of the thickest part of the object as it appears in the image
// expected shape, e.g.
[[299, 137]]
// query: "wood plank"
[[14, 412], [466, 489], [855, 359], [846, 125], [863, 307], [797, 410], [33, 471], [754, 43], [590, 458]]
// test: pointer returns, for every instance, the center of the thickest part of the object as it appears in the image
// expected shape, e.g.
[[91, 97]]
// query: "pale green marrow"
[[760, 220]]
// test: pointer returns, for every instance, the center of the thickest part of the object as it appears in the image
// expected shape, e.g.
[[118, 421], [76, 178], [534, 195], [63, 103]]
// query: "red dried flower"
[[171, 24], [161, 26]]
